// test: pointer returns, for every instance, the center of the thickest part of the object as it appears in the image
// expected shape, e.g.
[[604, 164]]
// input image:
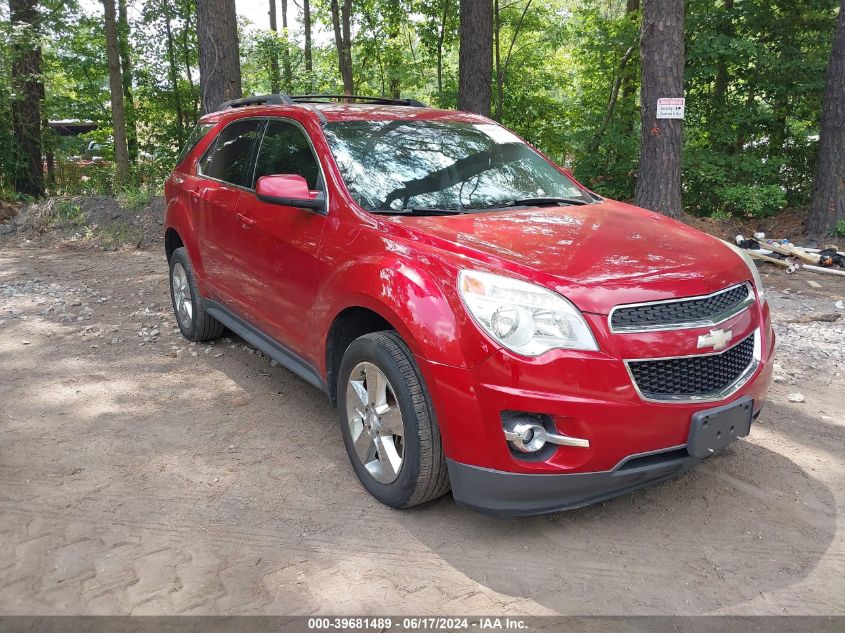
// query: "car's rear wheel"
[[188, 305], [388, 423]]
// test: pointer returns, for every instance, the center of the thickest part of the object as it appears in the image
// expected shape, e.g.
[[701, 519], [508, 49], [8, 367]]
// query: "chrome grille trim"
[[712, 321], [714, 396]]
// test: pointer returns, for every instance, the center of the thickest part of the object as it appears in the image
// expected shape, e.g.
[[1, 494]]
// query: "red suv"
[[480, 319]]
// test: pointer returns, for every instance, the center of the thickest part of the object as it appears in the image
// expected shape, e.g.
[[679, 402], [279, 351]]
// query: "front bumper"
[[503, 493], [633, 442]]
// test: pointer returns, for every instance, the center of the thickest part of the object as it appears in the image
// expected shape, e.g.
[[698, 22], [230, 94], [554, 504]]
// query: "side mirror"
[[289, 190]]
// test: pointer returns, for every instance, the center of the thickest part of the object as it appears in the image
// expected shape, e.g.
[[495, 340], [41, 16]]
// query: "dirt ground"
[[141, 474]]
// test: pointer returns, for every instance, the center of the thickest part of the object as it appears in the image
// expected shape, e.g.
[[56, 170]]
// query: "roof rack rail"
[[316, 98], [274, 99], [284, 99]]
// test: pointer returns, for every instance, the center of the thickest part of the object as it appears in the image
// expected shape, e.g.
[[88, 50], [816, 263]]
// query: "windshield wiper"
[[546, 202], [417, 211]]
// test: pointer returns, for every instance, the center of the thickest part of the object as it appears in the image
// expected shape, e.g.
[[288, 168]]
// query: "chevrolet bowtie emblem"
[[717, 339]]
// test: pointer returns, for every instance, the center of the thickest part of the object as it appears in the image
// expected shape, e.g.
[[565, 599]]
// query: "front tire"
[[188, 305], [388, 422]]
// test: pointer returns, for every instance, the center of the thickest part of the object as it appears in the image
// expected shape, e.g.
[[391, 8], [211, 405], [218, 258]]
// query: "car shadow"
[[744, 523]]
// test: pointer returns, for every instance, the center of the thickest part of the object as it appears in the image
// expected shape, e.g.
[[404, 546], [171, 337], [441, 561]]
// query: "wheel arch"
[[398, 295], [172, 241], [180, 231], [349, 324]]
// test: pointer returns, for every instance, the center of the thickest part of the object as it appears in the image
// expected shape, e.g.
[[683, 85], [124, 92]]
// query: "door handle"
[[245, 221]]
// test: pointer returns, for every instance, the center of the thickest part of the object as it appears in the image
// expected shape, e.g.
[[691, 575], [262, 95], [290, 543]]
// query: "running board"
[[273, 349]]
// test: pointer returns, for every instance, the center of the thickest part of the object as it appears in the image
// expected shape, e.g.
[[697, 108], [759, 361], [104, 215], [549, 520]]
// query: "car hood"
[[598, 255]]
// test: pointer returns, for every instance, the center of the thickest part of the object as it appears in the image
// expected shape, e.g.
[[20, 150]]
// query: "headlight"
[[752, 268], [526, 318]]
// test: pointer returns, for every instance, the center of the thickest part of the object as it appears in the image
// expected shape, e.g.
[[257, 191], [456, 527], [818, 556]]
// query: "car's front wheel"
[[388, 423]]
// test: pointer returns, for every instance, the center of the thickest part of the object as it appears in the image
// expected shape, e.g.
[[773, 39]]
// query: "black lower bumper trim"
[[517, 494]]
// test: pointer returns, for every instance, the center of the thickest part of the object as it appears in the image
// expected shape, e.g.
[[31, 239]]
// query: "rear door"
[[276, 246], [225, 171]]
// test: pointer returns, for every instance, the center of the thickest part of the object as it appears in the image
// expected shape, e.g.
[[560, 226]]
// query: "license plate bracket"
[[712, 430]]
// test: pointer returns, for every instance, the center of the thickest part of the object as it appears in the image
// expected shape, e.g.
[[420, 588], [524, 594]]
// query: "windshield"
[[401, 165]]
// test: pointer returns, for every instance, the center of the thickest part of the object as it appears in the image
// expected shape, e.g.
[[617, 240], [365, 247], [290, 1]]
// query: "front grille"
[[708, 310], [692, 376]]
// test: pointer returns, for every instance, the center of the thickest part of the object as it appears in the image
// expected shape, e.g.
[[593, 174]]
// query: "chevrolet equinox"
[[481, 320]]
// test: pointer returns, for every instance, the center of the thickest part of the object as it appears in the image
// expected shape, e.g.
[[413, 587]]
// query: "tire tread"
[[204, 326], [432, 480]]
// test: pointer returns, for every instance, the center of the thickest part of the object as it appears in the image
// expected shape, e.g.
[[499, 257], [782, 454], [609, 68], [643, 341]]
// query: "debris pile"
[[827, 260]]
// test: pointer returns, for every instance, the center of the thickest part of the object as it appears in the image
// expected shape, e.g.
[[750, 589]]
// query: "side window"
[[230, 158], [285, 150]]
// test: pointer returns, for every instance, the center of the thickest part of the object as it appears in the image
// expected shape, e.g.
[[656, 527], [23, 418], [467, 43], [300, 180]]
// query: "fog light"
[[526, 433], [527, 437]]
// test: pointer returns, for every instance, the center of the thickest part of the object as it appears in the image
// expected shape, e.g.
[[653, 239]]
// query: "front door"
[[276, 246], [223, 173]]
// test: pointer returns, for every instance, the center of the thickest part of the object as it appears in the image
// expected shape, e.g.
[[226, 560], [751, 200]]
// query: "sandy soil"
[[141, 474]]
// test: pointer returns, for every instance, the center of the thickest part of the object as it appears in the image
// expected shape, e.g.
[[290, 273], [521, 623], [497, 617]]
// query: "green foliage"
[[839, 229], [755, 78], [10, 195], [568, 84], [134, 197], [68, 212], [751, 200], [600, 36]]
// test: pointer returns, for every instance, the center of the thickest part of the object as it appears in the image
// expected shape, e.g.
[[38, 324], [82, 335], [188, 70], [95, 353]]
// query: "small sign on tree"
[[670, 108]]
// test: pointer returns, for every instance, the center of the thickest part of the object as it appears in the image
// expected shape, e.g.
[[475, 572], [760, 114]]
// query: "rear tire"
[[389, 427], [188, 305]]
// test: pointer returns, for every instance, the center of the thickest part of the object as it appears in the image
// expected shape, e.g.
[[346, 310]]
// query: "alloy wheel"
[[182, 298], [375, 422]]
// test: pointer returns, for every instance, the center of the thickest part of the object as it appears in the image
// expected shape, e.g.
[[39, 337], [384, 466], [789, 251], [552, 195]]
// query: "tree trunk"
[[611, 103], [475, 56], [48, 147], [370, 19], [121, 153], [286, 70], [662, 61], [441, 37], [186, 33], [630, 78], [393, 16], [502, 65], [126, 76], [828, 206], [497, 60], [28, 91], [275, 82], [720, 89], [341, 19], [220, 65], [174, 78], [306, 24]]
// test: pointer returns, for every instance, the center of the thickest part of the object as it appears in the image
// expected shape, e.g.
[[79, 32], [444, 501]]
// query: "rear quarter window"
[[196, 135]]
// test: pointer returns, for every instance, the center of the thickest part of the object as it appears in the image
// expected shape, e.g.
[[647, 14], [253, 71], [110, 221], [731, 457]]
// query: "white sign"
[[670, 108]]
